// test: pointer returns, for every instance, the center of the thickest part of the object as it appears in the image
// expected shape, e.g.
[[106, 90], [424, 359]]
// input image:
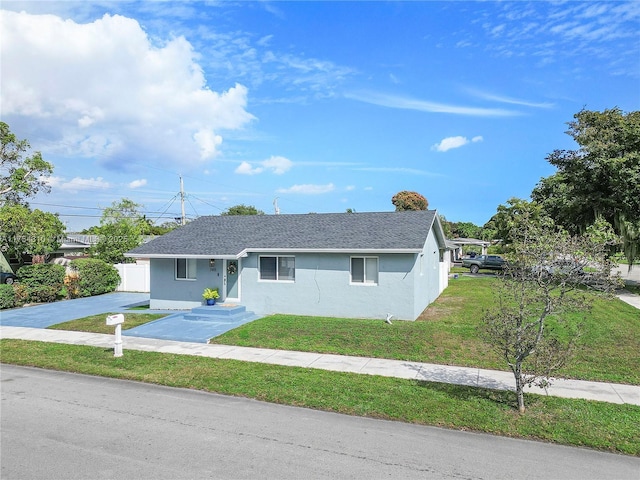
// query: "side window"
[[364, 270], [186, 268]]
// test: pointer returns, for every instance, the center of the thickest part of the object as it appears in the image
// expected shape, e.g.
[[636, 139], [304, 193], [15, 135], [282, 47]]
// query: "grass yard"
[[590, 424], [447, 333], [97, 323]]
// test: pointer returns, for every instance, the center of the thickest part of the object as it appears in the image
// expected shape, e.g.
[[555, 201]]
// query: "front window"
[[364, 270], [278, 268], [185, 268]]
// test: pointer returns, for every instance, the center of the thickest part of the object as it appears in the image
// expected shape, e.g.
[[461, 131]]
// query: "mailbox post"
[[117, 320]]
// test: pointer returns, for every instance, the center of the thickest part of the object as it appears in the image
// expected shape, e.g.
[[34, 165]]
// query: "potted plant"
[[210, 295]]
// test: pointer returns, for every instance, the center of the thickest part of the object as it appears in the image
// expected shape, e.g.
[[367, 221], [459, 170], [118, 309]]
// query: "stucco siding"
[[169, 293], [407, 283], [427, 276], [322, 287]]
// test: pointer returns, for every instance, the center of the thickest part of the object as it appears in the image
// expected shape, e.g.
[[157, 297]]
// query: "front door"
[[231, 280]]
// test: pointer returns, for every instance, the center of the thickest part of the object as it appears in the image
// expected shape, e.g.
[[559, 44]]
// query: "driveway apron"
[[45, 315]]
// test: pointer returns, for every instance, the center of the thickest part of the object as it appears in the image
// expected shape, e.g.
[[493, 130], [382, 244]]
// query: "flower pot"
[[211, 301]]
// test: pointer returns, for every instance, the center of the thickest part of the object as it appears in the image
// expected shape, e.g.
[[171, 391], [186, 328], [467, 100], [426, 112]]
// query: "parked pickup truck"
[[491, 262]]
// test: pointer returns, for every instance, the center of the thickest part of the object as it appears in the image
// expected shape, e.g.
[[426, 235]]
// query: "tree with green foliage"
[[242, 209], [21, 175], [446, 227], [466, 230], [535, 324], [120, 230], [406, 200], [600, 179], [501, 225], [26, 232]]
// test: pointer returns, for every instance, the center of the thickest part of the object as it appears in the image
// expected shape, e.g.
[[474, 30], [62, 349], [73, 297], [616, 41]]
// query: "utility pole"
[[183, 219]]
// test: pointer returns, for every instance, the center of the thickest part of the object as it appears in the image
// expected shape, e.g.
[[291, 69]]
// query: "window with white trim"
[[278, 268], [364, 270], [186, 268]]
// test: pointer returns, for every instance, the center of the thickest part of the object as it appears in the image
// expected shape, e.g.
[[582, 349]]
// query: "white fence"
[[133, 277]]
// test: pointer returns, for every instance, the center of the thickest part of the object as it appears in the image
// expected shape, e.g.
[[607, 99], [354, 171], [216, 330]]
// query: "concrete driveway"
[[47, 314], [176, 326]]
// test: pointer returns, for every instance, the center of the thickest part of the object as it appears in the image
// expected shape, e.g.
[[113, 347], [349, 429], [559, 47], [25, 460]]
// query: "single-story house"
[[355, 265]]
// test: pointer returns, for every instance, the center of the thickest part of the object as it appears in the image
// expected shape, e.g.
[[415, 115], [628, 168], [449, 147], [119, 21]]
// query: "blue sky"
[[323, 105]]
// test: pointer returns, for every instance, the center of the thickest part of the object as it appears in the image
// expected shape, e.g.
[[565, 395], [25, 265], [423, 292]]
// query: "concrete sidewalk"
[[497, 380], [630, 298]]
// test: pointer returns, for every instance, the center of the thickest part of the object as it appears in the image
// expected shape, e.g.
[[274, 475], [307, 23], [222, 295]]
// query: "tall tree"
[[242, 209], [535, 322], [21, 175], [35, 233], [600, 179], [406, 200], [120, 230], [466, 230], [501, 225]]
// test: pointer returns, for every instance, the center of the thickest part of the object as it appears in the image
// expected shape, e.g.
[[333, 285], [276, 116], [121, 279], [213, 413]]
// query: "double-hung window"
[[364, 270], [278, 268], [185, 268]]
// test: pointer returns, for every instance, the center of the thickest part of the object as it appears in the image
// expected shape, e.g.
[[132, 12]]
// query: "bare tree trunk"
[[517, 372]]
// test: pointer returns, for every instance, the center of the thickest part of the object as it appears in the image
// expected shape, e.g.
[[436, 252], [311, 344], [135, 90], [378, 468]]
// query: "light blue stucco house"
[[354, 265]]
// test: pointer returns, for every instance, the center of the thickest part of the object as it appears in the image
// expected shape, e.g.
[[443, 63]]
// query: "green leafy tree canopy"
[[121, 228], [21, 175], [599, 179], [507, 217], [242, 209], [29, 232]]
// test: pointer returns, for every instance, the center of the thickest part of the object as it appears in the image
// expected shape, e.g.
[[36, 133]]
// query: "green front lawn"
[[98, 323], [447, 333]]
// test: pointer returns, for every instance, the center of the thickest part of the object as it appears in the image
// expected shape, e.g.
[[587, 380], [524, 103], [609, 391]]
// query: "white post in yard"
[[117, 320]]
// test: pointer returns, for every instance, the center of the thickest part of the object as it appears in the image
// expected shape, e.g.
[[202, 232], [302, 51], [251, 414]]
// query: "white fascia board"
[[245, 252], [178, 255]]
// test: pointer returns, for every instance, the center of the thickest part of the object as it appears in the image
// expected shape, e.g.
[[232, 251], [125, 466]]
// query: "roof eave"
[[247, 251]]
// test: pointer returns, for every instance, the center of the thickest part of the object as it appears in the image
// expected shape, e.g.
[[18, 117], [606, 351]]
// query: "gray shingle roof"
[[222, 236]]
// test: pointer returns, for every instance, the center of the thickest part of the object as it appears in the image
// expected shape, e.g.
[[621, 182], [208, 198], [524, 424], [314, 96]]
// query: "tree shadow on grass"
[[467, 394]]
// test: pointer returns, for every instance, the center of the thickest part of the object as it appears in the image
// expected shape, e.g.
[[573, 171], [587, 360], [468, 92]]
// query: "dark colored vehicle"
[[8, 278], [490, 262]]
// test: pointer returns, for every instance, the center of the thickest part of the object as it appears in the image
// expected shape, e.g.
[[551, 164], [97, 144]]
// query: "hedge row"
[[46, 282]]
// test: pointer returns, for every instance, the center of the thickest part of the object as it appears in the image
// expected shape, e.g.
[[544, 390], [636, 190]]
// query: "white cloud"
[[277, 165], [245, 168], [454, 142], [78, 183], [138, 183], [106, 89], [308, 189], [506, 99], [407, 103]]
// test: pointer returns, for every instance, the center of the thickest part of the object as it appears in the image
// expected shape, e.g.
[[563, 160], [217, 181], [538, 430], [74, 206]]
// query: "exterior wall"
[[427, 276], [322, 287], [407, 283], [167, 293]]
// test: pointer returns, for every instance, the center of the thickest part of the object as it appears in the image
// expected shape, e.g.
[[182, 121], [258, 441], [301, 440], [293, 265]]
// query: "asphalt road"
[[57, 425]]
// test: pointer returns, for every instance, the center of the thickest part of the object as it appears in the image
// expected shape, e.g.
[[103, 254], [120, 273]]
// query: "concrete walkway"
[[497, 380]]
